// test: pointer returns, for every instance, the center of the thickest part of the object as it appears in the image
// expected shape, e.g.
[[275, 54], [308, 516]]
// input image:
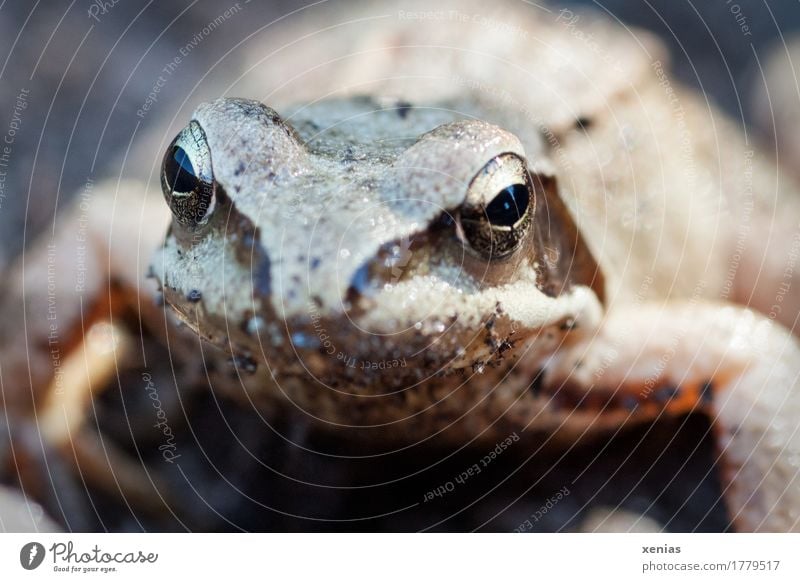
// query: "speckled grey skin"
[[332, 264], [295, 267]]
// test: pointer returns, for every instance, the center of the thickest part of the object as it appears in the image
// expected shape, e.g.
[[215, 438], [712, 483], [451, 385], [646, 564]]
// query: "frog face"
[[369, 240]]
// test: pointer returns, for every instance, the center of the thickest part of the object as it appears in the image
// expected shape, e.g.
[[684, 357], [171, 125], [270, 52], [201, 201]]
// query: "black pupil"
[[180, 172], [508, 206]]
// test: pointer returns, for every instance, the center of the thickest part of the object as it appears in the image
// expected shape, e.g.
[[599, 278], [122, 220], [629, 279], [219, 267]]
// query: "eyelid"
[[501, 172]]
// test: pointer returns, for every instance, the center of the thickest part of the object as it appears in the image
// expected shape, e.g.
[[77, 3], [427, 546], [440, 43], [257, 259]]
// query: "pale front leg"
[[62, 337], [737, 366]]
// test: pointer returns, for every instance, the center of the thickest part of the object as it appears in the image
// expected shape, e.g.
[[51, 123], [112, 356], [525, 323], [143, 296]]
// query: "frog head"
[[369, 242]]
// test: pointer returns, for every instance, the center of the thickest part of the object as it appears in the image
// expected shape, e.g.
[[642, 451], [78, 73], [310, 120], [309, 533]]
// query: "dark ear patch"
[[562, 257]]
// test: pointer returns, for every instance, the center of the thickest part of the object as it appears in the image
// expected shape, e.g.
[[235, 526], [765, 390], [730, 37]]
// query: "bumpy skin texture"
[[649, 209], [313, 223]]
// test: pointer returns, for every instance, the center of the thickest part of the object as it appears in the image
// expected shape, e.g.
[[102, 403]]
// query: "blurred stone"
[[616, 520], [19, 515]]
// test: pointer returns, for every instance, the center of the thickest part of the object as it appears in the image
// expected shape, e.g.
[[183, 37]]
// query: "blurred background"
[[86, 67]]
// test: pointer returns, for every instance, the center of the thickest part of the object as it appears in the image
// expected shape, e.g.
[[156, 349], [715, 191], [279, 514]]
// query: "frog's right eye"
[[187, 180]]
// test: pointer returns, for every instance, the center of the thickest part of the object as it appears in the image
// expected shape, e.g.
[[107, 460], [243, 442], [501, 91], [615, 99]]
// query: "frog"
[[481, 222]]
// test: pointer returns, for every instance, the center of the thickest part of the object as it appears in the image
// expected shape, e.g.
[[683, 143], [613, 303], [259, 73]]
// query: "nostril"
[[394, 262]]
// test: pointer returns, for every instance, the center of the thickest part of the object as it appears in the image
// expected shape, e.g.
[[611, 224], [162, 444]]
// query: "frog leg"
[[62, 341], [740, 368]]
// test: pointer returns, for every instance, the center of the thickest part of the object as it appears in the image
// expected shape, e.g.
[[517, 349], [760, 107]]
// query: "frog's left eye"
[[187, 180], [496, 213]]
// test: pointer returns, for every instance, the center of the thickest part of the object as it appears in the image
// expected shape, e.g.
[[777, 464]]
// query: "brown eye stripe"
[[562, 257]]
